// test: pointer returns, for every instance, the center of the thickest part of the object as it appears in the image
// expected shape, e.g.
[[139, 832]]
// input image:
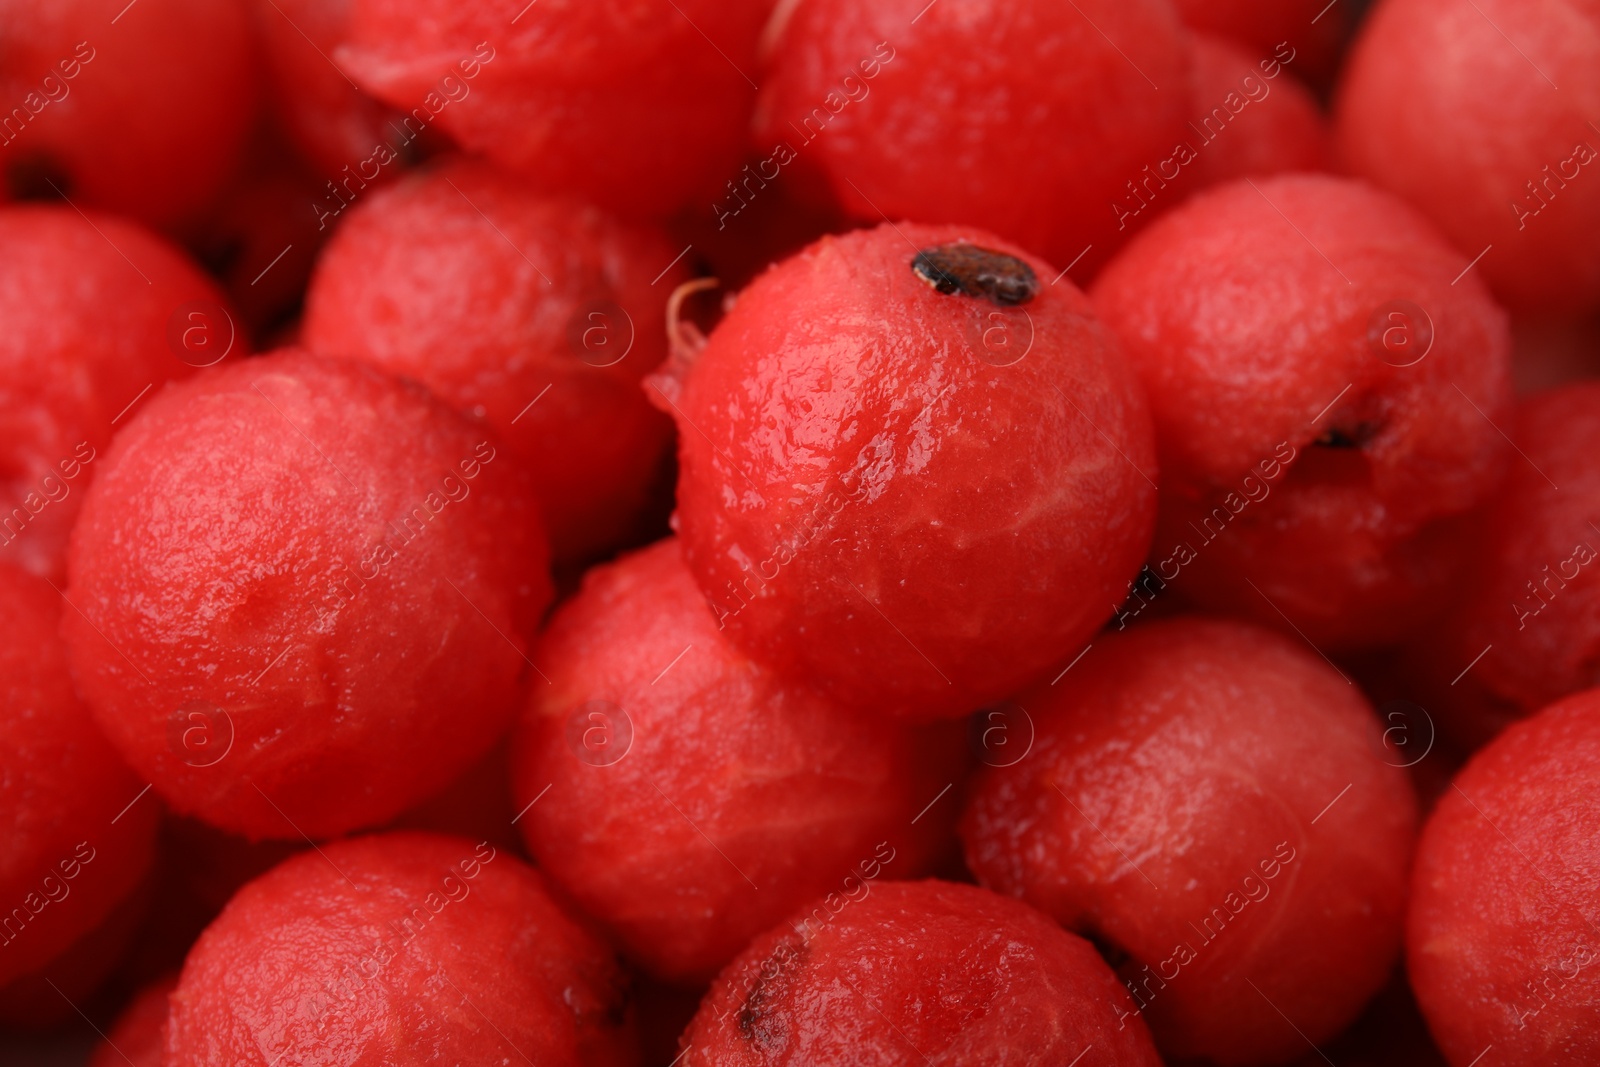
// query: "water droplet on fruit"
[[977, 272], [599, 733]]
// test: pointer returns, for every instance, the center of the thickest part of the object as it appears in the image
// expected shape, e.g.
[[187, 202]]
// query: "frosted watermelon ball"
[[914, 472], [98, 310], [303, 592], [1029, 118], [687, 797], [137, 109], [1501, 938], [1497, 139], [399, 948], [1326, 379], [1210, 803], [74, 843], [917, 973], [537, 316], [1524, 629], [638, 107]]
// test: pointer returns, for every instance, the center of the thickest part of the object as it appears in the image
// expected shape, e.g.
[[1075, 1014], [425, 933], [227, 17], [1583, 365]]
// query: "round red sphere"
[[1313, 29], [1251, 116], [636, 107], [98, 311], [1212, 805], [917, 973], [1524, 629], [536, 316], [399, 948], [1327, 381], [351, 138], [302, 591], [914, 473], [1483, 115], [139, 108], [1500, 940], [688, 798], [1030, 118], [75, 838]]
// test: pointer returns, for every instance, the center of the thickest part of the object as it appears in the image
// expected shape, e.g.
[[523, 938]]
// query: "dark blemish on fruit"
[[757, 1023], [1358, 436], [750, 1015], [977, 272]]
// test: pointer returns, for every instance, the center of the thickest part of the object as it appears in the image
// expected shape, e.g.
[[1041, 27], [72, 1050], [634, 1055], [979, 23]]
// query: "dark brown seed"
[[977, 272]]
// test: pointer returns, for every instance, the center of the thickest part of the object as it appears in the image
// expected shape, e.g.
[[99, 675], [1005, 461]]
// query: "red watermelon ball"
[[915, 973], [537, 316], [1523, 629], [1028, 118], [138, 108], [688, 798], [1210, 803], [399, 948], [302, 594], [76, 840], [1501, 942], [1328, 382], [99, 312], [637, 107], [914, 473], [1483, 115]]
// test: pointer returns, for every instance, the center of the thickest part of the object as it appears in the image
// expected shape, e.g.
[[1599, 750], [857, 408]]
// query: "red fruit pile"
[[823, 533]]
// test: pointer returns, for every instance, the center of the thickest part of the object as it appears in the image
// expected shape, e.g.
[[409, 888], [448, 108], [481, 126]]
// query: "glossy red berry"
[[914, 472], [301, 593], [1327, 381], [688, 798]]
